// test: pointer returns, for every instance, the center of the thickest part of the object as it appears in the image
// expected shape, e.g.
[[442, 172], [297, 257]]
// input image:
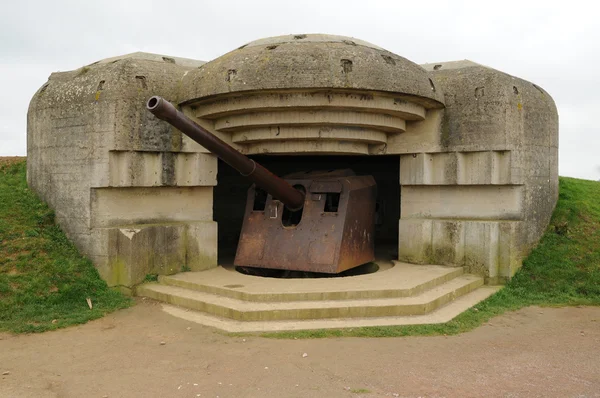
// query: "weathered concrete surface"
[[484, 191], [399, 280], [477, 149], [122, 184], [442, 314], [306, 94], [397, 294], [311, 62]]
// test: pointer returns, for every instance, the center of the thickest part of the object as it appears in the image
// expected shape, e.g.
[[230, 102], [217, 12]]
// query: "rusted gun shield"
[[334, 233]]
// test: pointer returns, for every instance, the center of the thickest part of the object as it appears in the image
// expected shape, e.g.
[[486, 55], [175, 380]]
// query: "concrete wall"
[[131, 192], [482, 193]]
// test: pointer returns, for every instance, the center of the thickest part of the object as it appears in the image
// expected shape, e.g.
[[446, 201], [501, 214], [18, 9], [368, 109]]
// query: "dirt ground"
[[8, 160], [535, 352]]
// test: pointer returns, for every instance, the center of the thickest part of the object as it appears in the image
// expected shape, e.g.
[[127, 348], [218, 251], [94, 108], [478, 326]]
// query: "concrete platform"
[[394, 279], [402, 294]]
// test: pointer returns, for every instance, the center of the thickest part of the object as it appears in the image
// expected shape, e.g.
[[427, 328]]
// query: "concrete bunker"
[[475, 151]]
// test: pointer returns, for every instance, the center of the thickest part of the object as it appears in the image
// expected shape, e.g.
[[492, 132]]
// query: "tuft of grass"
[[360, 391], [151, 278], [83, 70], [44, 281], [563, 270]]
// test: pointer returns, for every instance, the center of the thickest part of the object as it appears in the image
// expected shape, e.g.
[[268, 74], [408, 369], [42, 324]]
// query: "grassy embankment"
[[563, 270], [44, 281]]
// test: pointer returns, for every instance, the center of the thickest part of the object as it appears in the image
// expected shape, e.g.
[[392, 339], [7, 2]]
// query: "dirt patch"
[[9, 160], [144, 352]]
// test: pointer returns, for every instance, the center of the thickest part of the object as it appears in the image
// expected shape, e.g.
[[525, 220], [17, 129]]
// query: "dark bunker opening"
[[229, 198]]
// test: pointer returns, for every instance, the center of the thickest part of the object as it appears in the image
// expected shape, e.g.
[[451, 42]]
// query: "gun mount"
[[312, 221]]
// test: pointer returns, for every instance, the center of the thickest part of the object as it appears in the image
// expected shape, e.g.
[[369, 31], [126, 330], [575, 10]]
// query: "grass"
[[44, 281], [563, 270]]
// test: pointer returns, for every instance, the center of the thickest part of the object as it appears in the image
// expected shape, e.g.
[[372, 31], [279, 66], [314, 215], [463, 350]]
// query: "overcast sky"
[[554, 46]]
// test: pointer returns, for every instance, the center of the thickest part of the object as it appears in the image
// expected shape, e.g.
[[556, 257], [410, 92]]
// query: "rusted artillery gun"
[[312, 221]]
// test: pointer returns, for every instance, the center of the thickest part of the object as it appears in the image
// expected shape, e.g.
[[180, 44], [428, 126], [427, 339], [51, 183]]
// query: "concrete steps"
[[396, 280], [441, 315], [402, 294]]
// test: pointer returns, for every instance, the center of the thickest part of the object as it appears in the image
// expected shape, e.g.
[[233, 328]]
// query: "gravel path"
[[144, 352]]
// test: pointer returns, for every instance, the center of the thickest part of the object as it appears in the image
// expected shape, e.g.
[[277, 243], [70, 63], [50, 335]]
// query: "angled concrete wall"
[[124, 186], [482, 194]]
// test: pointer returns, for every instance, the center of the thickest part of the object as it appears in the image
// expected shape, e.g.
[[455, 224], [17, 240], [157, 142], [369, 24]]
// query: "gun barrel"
[[277, 187]]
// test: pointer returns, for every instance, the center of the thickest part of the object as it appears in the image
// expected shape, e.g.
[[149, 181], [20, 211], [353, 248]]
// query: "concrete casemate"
[[477, 149]]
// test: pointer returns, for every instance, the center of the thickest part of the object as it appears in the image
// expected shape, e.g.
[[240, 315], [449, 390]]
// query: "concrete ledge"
[[441, 315], [459, 168], [402, 280], [309, 100], [472, 202], [148, 169], [308, 147], [134, 205], [269, 311]]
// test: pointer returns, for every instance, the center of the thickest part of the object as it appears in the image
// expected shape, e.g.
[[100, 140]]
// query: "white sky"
[[555, 45]]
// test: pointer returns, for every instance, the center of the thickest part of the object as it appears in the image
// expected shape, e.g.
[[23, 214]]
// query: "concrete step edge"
[[248, 311], [441, 315], [173, 280]]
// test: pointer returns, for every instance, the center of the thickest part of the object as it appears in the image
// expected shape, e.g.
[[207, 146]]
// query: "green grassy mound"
[[563, 270], [44, 281]]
